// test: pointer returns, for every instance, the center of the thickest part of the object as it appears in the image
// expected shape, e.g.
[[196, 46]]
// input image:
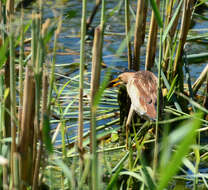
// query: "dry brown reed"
[[16, 163], [21, 56], [96, 62], [138, 36], [186, 20], [93, 13], [95, 83], [197, 84], [152, 41], [128, 37], [36, 182], [96, 67], [25, 146], [143, 30], [9, 9], [168, 42]]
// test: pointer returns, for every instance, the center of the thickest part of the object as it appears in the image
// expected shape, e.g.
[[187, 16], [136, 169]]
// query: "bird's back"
[[142, 89]]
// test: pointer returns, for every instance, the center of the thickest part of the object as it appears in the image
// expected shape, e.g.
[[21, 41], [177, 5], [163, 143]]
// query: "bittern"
[[142, 90]]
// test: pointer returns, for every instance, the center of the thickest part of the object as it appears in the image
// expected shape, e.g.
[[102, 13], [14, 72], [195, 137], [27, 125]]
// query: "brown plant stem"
[[138, 35], [186, 20], [197, 84], [128, 37], [27, 129], [152, 42], [167, 44], [81, 80], [144, 20], [93, 13], [36, 183], [95, 81]]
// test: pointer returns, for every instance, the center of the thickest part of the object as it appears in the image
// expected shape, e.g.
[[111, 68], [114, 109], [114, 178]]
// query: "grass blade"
[[182, 149], [156, 12]]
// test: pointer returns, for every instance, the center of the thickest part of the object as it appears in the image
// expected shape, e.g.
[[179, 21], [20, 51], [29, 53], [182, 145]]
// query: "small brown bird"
[[142, 90]]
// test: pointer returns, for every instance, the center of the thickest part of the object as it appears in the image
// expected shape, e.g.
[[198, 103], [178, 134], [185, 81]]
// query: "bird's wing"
[[142, 89], [135, 95], [146, 83]]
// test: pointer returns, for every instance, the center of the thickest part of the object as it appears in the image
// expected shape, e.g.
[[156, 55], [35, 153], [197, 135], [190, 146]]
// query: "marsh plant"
[[63, 131]]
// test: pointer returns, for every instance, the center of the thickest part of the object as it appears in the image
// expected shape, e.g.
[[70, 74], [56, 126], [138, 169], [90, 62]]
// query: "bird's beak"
[[114, 82]]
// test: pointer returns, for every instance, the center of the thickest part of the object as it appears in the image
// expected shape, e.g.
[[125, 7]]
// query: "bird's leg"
[[128, 123]]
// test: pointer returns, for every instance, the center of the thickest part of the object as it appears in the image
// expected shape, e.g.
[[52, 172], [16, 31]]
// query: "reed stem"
[[138, 35], [152, 41], [27, 129], [13, 99], [52, 76], [197, 84], [186, 20], [128, 37], [17, 171], [159, 90], [102, 27], [81, 79], [21, 57], [95, 81]]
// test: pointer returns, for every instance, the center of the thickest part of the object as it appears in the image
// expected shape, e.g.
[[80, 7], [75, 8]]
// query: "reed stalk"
[[128, 37], [16, 164], [38, 80], [7, 100], [6, 120], [95, 81], [138, 35], [12, 99], [159, 90], [143, 30], [3, 21], [52, 76], [197, 84], [34, 39], [168, 14], [91, 17], [21, 67], [9, 9], [152, 41], [40, 152], [81, 80], [186, 20], [2, 131], [102, 26], [36, 48], [96, 64], [172, 32], [25, 146]]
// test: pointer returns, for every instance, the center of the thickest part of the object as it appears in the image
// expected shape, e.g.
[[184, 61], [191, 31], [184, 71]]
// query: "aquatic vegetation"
[[62, 127]]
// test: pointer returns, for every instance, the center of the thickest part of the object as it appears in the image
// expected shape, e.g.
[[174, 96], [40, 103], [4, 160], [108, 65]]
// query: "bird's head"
[[122, 79]]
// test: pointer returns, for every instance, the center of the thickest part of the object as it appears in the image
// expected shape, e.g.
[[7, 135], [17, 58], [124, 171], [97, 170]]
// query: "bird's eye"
[[150, 101]]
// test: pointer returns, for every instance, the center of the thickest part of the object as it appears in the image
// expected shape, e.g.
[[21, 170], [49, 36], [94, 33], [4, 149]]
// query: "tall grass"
[[43, 103]]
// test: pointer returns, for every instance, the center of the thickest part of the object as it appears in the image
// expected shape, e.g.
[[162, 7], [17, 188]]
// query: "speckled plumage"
[[142, 90]]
